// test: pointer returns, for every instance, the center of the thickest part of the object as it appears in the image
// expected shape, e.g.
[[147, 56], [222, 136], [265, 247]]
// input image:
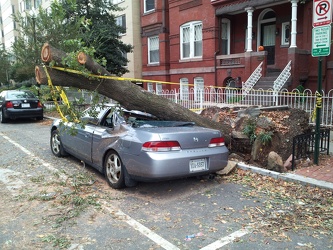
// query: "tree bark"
[[129, 95]]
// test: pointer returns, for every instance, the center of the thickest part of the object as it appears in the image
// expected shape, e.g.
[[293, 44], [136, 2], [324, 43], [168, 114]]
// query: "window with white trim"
[[225, 36], [121, 21], [184, 89], [285, 34], [159, 89], [28, 5], [198, 88], [153, 50], [149, 5], [124, 55], [117, 1], [191, 40], [150, 87]]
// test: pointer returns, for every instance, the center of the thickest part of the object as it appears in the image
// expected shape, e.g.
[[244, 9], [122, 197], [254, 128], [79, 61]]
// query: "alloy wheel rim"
[[113, 168]]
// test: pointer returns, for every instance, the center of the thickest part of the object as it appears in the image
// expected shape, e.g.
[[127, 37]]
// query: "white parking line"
[[26, 151], [226, 240], [141, 228], [121, 216]]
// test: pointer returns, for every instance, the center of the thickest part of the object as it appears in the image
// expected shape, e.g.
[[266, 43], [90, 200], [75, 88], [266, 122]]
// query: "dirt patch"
[[257, 132]]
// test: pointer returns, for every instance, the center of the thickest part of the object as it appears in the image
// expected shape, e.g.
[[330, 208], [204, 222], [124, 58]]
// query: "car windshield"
[[20, 95]]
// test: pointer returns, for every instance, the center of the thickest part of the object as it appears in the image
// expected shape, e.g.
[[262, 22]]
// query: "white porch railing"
[[252, 80], [228, 97]]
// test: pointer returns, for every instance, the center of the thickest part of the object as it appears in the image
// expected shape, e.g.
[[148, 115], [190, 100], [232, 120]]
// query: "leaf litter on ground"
[[285, 206]]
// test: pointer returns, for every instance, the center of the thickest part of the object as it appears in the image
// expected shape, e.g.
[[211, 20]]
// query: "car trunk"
[[191, 136]]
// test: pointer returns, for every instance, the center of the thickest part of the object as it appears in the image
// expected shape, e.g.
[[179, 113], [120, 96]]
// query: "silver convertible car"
[[130, 146]]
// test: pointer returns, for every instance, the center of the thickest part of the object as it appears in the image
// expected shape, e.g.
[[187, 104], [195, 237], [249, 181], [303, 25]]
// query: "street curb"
[[287, 176]]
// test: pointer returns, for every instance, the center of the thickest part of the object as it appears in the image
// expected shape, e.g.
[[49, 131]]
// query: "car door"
[[79, 141], [106, 136]]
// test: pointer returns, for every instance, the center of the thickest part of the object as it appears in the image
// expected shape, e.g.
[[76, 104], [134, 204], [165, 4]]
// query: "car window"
[[20, 95]]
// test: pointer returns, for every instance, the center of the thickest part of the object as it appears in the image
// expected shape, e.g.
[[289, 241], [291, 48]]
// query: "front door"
[[268, 41]]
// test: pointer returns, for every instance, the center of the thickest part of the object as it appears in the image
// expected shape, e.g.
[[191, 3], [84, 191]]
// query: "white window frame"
[[184, 89], [159, 88], [153, 46], [145, 6], [199, 86], [150, 87], [284, 39], [117, 1], [227, 22], [27, 4], [191, 39], [121, 21], [124, 54]]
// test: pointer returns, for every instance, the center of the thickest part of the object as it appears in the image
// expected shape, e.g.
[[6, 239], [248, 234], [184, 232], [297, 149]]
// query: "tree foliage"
[[103, 33], [72, 25], [4, 66]]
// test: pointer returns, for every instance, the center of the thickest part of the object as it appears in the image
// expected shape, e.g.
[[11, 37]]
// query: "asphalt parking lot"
[[52, 203]]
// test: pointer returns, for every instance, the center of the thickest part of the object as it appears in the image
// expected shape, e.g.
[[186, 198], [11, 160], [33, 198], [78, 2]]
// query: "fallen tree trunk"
[[129, 95]]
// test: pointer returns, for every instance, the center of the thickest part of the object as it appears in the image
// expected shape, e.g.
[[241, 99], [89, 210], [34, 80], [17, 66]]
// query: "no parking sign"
[[322, 12]]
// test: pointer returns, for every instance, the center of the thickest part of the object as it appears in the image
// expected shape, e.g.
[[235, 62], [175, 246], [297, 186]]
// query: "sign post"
[[321, 44]]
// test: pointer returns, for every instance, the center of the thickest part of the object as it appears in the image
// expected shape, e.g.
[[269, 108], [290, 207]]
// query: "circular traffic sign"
[[323, 8]]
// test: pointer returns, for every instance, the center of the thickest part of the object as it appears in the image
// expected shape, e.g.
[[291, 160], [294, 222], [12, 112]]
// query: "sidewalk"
[[320, 176], [320, 172]]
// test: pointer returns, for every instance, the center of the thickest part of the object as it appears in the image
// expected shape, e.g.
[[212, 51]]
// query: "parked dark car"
[[130, 146], [19, 104]]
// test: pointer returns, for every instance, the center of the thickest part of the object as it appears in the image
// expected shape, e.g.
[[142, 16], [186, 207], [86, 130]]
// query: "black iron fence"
[[304, 145]]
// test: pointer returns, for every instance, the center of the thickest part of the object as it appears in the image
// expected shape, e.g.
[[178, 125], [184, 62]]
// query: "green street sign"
[[321, 41]]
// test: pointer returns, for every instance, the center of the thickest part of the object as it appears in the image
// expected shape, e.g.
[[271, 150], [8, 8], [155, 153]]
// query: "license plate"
[[198, 165], [25, 105]]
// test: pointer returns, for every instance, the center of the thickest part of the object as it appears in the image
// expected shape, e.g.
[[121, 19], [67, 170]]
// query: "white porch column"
[[249, 11], [293, 23]]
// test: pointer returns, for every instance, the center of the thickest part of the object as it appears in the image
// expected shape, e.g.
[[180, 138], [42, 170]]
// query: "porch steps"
[[267, 82]]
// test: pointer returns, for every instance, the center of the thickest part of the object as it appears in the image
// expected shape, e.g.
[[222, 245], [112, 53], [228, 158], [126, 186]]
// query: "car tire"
[[40, 118], [56, 144], [114, 170], [3, 119]]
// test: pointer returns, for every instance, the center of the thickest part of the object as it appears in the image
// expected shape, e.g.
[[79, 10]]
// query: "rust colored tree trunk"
[[129, 95]]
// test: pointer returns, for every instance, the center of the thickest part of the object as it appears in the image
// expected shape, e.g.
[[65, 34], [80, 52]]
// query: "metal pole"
[[318, 111]]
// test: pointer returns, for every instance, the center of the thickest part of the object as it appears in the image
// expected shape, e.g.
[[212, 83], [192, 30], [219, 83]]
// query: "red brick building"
[[205, 42]]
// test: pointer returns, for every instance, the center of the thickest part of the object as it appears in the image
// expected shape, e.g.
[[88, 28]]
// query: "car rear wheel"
[[114, 170], [56, 145], [3, 119]]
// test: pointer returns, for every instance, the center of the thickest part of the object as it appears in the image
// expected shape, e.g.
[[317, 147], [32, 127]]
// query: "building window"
[[184, 91], [159, 89], [285, 33], [28, 5], [149, 5], [121, 22], [191, 40], [198, 88], [124, 55], [37, 3], [153, 50], [117, 1], [225, 36], [150, 87]]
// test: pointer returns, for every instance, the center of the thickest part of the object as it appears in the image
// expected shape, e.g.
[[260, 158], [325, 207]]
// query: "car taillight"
[[160, 146], [9, 105], [39, 104], [216, 142]]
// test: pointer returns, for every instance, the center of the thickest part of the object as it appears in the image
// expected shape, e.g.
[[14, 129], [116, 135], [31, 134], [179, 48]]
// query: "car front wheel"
[[56, 145], [114, 170]]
